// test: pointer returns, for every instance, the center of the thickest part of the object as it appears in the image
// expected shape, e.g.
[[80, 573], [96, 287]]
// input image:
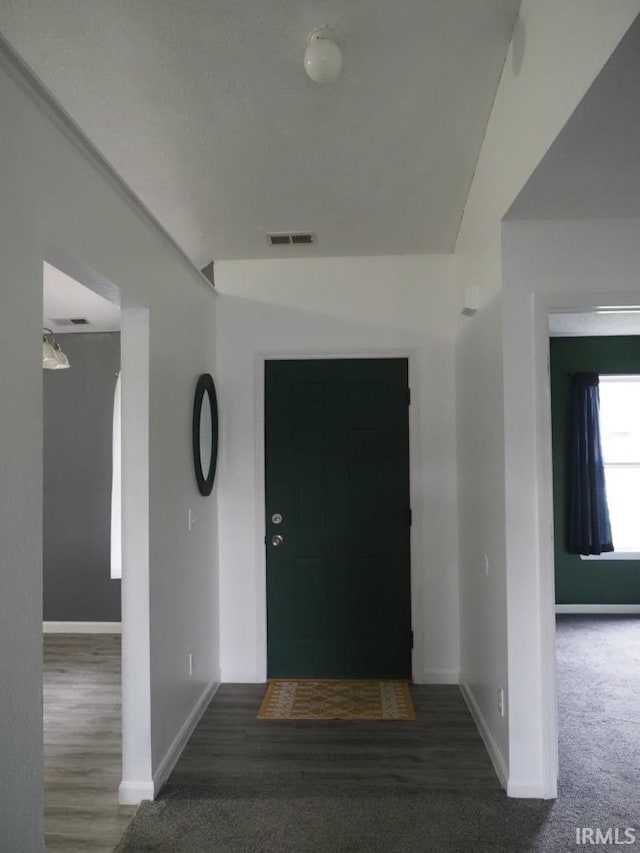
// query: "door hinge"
[[408, 396], [410, 516], [411, 639]]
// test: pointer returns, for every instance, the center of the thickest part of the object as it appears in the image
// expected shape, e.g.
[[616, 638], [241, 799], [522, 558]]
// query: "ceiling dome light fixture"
[[322, 58], [52, 356]]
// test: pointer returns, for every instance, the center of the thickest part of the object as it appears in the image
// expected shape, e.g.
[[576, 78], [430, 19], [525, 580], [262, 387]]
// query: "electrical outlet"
[[501, 700], [192, 663], [486, 564], [191, 520]]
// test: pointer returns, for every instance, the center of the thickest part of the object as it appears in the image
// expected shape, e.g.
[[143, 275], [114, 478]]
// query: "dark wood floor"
[[233, 753], [83, 743]]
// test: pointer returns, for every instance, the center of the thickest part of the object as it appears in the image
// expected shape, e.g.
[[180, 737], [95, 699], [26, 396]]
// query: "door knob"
[[277, 540]]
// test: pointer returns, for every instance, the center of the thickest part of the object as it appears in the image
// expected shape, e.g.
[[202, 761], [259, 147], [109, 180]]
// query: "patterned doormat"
[[328, 699]]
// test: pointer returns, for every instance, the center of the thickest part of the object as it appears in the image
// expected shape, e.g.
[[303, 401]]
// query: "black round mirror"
[[205, 433]]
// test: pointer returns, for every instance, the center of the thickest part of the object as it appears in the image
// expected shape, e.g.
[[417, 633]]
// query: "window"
[[620, 433]]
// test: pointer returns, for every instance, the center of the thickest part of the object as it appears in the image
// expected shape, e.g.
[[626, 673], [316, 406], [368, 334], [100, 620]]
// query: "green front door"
[[337, 518]]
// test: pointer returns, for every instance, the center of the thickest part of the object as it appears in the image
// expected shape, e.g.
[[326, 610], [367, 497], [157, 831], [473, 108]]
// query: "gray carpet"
[[599, 691]]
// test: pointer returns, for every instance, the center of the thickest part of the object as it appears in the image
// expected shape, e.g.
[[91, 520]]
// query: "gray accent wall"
[[77, 414]]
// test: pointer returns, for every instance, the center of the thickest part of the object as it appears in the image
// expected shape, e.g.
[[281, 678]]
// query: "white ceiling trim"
[[592, 324]]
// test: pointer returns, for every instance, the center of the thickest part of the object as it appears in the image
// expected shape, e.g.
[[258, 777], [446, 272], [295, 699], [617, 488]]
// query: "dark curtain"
[[589, 528]]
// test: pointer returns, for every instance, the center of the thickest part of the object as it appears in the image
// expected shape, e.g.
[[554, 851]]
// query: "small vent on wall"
[[70, 321], [296, 238]]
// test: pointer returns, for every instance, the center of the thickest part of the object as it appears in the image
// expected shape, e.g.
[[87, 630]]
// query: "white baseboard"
[[598, 608], [82, 627], [438, 676], [180, 741], [497, 759], [524, 790], [133, 793]]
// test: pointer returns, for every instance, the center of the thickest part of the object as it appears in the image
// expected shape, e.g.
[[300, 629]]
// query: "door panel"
[[337, 470]]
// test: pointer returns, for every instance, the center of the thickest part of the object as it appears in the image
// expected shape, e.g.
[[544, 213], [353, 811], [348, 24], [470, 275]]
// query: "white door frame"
[[543, 305], [137, 771], [137, 777], [417, 591]]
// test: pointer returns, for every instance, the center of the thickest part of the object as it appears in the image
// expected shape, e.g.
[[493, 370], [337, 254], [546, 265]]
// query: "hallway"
[[232, 753], [244, 784]]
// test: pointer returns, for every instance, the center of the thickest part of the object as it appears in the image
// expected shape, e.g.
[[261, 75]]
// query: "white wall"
[[55, 203], [384, 305], [566, 43]]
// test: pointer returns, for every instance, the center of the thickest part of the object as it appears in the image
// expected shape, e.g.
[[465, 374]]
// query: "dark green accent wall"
[[586, 581]]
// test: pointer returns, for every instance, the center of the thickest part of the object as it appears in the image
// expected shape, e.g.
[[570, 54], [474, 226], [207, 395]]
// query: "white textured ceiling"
[[64, 298], [204, 108], [592, 170]]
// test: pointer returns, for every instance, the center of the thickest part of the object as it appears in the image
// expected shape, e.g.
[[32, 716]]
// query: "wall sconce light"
[[52, 356], [322, 58]]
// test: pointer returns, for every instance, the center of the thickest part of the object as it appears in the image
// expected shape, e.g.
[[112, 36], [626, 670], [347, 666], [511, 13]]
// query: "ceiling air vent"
[[295, 238], [301, 239], [70, 321]]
